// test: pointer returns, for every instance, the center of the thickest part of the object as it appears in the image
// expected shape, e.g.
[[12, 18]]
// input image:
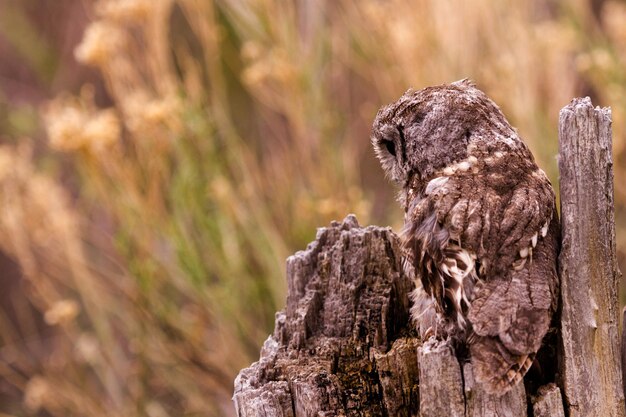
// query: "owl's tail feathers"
[[495, 367]]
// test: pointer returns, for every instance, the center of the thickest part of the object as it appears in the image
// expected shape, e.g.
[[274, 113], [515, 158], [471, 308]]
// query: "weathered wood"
[[441, 381], [590, 365], [448, 388], [339, 348], [256, 396], [548, 402], [398, 374], [479, 403], [623, 348]]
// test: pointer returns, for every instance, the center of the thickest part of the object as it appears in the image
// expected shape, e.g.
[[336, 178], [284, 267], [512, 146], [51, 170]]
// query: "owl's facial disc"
[[388, 141]]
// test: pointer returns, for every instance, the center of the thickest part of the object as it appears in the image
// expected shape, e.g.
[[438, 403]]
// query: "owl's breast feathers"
[[482, 235]]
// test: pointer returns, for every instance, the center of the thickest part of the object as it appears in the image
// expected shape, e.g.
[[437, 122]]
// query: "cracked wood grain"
[[590, 361]]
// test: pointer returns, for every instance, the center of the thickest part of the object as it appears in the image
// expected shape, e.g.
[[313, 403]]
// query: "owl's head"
[[430, 129]]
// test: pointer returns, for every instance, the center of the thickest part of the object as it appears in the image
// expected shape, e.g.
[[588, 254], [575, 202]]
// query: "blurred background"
[[159, 160]]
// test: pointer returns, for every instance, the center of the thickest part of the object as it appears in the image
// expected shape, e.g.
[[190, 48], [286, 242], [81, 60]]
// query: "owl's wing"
[[510, 316], [498, 218], [510, 225], [516, 307]]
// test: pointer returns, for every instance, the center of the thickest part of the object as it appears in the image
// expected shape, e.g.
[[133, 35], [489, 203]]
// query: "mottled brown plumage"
[[480, 225]]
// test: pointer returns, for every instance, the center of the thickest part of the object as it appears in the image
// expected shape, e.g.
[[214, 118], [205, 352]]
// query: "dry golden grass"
[[237, 128]]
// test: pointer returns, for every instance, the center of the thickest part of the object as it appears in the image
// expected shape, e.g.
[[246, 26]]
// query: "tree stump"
[[345, 345], [341, 347]]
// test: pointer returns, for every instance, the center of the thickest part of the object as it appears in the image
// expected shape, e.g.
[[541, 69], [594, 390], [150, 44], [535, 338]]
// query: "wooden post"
[[590, 358], [548, 402], [624, 350], [344, 345]]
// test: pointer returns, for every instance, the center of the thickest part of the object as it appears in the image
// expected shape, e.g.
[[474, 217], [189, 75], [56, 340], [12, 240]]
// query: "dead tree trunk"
[[590, 361], [339, 347], [344, 345]]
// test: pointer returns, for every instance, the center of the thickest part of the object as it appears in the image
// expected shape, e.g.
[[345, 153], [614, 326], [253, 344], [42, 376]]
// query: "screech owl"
[[481, 227]]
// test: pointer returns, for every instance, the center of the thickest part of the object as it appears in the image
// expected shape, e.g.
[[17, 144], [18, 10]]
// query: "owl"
[[480, 229]]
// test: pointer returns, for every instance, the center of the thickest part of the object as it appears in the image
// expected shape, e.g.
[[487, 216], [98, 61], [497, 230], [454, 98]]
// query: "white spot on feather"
[[533, 240], [457, 296], [511, 141], [463, 166], [544, 230], [519, 264], [467, 258], [434, 184], [523, 252], [540, 174], [451, 267], [474, 163]]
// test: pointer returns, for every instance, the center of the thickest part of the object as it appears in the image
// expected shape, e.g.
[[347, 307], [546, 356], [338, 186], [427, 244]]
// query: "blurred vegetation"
[[151, 207]]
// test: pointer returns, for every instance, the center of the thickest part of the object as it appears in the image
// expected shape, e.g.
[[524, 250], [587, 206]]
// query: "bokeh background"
[[159, 160]]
